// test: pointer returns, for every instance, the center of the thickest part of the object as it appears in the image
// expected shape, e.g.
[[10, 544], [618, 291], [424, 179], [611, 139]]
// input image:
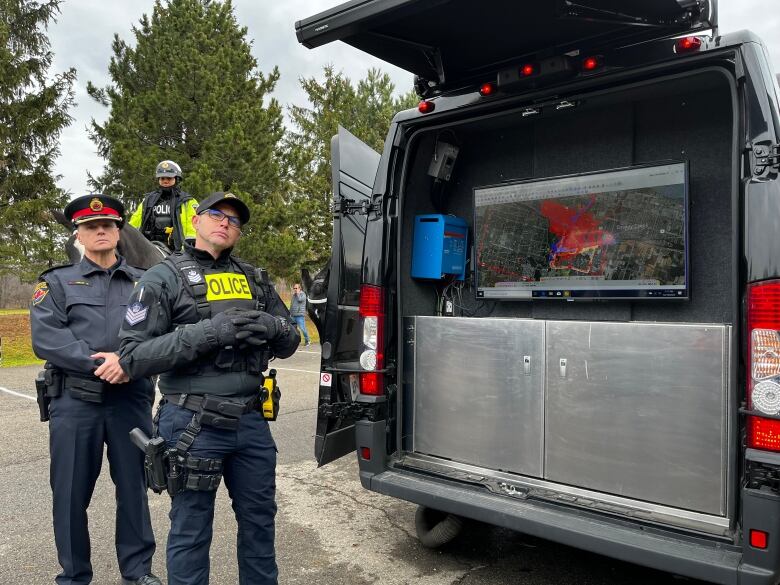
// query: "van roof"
[[447, 41]]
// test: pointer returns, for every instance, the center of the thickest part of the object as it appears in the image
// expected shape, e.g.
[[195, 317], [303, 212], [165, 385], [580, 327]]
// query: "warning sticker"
[[326, 379]]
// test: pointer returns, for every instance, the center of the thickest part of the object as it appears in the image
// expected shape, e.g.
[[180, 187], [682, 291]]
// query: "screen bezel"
[[591, 294]]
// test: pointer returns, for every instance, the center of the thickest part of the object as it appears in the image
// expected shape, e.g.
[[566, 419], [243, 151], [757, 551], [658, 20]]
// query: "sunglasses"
[[218, 216]]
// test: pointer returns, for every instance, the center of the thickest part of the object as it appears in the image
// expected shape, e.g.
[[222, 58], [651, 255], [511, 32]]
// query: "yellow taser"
[[271, 396]]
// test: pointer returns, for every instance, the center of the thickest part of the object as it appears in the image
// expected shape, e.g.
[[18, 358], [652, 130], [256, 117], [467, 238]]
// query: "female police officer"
[[75, 317], [208, 323]]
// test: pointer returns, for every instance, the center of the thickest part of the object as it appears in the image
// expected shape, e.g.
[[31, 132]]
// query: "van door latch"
[[766, 158], [345, 206], [349, 410]]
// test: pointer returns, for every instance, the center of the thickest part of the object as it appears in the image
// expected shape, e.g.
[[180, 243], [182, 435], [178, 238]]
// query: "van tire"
[[435, 528]]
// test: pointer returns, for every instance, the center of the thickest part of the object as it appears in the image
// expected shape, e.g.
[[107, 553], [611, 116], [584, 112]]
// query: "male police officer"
[[165, 214], [208, 323], [75, 317]]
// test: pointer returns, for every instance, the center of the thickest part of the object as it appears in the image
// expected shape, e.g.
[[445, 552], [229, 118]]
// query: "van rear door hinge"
[[766, 159], [345, 206]]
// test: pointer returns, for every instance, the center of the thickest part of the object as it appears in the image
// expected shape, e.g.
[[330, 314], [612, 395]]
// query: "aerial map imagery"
[[613, 230]]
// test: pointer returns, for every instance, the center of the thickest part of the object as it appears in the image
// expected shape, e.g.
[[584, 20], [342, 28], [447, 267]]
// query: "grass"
[[15, 337], [17, 348]]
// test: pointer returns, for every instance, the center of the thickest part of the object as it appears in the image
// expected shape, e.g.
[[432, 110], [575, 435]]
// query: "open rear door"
[[354, 170], [451, 41]]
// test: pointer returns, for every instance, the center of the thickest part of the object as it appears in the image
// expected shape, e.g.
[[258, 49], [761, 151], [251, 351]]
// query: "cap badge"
[[164, 164], [229, 196], [96, 204]]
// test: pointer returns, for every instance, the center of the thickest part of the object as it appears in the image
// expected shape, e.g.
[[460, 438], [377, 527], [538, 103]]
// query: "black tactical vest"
[[216, 290]]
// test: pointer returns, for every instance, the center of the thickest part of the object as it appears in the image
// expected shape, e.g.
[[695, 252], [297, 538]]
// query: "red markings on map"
[[579, 238]]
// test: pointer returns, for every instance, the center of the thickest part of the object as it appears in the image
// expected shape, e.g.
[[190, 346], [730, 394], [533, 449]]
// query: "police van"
[[554, 297]]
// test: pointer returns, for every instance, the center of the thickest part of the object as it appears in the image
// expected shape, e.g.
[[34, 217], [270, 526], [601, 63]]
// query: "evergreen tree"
[[366, 110], [33, 112], [189, 90]]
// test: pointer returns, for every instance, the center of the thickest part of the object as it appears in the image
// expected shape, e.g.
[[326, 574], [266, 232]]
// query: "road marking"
[[20, 395], [294, 370]]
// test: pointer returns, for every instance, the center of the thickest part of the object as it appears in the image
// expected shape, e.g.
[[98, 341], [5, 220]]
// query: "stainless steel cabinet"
[[638, 410], [478, 387]]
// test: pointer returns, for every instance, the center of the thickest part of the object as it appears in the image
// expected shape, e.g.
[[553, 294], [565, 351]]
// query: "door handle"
[[527, 365], [562, 367]]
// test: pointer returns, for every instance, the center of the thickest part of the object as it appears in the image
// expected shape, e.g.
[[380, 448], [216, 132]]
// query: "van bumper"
[[695, 557]]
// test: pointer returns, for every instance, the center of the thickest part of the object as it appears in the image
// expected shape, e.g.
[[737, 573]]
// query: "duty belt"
[[219, 412], [83, 388]]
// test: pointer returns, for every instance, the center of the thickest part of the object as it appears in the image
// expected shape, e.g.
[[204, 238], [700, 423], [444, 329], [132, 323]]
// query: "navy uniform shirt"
[[77, 311]]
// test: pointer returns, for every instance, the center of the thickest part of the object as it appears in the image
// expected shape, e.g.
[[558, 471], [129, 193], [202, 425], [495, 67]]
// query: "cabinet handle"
[[563, 367], [527, 365]]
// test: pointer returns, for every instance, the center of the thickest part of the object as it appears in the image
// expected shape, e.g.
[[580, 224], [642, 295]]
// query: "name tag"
[[226, 286]]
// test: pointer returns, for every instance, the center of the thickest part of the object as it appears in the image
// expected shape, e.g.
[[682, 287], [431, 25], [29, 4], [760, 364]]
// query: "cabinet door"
[[478, 387], [639, 410]]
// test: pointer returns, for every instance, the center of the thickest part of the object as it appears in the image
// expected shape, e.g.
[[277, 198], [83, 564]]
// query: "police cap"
[[221, 197], [91, 207]]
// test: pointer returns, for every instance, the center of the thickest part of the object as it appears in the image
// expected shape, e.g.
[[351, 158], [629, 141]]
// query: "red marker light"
[[365, 453], [759, 539], [487, 89], [426, 107], [688, 45], [591, 64], [528, 70]]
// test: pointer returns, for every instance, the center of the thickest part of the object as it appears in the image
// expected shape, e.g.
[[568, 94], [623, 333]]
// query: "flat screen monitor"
[[617, 234]]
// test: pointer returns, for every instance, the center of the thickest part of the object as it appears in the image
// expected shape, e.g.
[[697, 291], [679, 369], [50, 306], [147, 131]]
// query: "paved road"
[[330, 531]]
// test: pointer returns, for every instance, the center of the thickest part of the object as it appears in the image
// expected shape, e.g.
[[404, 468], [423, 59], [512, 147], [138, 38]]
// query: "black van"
[[601, 367]]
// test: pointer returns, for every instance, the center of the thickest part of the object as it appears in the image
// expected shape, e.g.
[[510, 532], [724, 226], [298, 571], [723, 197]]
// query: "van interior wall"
[[684, 119]]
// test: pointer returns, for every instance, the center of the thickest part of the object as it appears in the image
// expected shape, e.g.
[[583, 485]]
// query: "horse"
[[316, 296], [136, 249]]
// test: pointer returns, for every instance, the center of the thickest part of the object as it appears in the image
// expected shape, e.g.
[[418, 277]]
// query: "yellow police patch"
[[226, 286]]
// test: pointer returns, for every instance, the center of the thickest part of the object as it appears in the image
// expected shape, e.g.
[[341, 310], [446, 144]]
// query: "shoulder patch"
[[136, 313], [40, 292]]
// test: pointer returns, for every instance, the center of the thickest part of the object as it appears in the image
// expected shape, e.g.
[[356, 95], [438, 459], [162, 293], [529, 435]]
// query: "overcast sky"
[[82, 36]]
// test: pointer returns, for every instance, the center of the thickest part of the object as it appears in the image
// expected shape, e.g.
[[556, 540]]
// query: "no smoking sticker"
[[326, 379]]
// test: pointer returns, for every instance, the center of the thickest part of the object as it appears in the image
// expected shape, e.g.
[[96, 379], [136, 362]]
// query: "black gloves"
[[244, 327], [257, 328], [225, 329]]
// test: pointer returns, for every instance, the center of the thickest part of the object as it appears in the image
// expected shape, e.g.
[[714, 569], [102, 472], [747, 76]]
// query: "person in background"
[[165, 214], [75, 316], [298, 311]]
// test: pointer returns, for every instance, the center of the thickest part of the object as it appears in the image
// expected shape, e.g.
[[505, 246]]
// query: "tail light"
[[763, 384], [372, 355]]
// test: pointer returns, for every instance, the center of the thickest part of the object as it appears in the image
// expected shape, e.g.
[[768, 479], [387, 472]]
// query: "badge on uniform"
[[194, 277], [40, 292], [136, 313]]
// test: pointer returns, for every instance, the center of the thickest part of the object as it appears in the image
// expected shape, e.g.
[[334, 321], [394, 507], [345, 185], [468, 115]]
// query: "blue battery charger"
[[440, 247]]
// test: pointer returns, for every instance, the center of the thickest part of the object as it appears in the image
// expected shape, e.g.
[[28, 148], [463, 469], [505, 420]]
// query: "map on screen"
[[614, 234]]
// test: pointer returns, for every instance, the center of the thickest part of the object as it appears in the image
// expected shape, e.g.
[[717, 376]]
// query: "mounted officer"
[[88, 398], [208, 323], [165, 214]]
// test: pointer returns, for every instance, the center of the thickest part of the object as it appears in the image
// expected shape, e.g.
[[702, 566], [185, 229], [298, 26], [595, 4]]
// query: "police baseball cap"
[[222, 197], [92, 207]]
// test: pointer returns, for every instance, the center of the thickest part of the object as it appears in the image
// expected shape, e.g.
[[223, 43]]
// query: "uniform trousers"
[[249, 471], [77, 432]]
